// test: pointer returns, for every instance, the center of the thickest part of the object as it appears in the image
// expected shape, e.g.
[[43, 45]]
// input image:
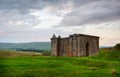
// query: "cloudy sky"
[[38, 20]]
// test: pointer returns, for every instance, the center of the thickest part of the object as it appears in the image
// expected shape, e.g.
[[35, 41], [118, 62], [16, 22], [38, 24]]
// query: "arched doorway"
[[87, 49], [58, 47]]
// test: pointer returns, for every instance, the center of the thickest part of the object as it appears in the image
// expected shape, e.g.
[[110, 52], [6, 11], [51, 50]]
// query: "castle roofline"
[[74, 35], [65, 38], [83, 35]]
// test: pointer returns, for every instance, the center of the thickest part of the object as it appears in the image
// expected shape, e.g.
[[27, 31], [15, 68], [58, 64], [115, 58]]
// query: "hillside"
[[111, 53], [105, 64], [31, 45]]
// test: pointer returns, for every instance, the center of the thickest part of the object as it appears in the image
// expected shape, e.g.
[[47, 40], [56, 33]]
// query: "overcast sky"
[[38, 20]]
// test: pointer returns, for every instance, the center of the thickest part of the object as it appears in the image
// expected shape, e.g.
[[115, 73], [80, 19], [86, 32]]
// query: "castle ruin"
[[75, 45]]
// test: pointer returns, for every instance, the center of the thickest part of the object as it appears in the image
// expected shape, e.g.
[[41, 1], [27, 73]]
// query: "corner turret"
[[53, 36]]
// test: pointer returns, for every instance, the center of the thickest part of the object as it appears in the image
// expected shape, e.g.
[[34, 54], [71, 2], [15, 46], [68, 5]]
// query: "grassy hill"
[[111, 53], [31, 45], [105, 64]]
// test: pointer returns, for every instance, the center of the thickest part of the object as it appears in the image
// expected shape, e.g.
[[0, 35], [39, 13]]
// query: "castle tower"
[[55, 46]]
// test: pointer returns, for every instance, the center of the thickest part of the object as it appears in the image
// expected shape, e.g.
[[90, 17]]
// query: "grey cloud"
[[20, 9], [83, 12], [18, 4], [14, 15], [25, 5], [29, 4], [93, 13]]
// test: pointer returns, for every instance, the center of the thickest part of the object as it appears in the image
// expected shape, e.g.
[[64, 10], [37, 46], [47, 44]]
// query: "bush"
[[46, 53], [116, 47]]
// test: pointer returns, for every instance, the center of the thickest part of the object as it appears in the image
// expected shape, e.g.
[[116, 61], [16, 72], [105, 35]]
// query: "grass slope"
[[46, 66]]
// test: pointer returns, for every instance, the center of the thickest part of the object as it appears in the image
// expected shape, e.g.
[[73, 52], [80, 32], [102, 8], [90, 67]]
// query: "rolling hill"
[[30, 45]]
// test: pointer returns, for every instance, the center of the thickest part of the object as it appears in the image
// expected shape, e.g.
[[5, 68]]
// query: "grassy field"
[[17, 64]]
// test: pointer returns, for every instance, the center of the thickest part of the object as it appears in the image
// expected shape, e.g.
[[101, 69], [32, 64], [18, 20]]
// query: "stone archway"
[[58, 47], [87, 49]]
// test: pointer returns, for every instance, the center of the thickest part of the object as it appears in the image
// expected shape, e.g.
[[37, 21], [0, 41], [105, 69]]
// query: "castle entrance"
[[87, 49], [58, 48]]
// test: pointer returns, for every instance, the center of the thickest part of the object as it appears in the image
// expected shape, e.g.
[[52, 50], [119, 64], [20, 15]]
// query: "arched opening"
[[58, 47], [87, 49]]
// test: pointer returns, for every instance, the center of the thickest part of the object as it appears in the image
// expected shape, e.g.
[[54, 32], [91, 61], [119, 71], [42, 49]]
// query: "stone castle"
[[75, 45]]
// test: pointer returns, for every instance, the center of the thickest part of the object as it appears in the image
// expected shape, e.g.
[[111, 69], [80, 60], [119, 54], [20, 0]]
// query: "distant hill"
[[105, 46], [30, 45]]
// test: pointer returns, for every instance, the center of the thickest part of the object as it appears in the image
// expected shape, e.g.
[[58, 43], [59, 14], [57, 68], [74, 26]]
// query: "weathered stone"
[[75, 45]]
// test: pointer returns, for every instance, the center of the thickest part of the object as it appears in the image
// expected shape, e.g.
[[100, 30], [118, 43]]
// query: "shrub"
[[116, 47], [46, 53]]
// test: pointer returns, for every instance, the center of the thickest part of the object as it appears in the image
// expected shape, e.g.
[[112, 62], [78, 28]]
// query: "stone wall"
[[75, 45]]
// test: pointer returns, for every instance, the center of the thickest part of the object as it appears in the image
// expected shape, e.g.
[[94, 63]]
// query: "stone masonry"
[[75, 45]]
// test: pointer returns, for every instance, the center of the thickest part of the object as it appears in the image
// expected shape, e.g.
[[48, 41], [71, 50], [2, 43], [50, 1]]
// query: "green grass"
[[47, 66]]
